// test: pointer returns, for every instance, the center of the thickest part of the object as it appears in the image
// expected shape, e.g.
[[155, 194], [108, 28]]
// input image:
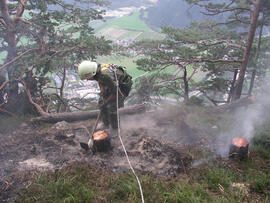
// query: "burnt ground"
[[155, 142]]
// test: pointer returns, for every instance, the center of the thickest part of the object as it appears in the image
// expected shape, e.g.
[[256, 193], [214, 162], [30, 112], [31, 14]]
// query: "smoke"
[[245, 122], [172, 126], [164, 125], [136, 122]]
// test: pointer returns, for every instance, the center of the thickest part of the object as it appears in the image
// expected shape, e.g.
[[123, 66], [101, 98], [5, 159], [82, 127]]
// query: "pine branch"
[[213, 12], [20, 9], [223, 42], [180, 60], [17, 57]]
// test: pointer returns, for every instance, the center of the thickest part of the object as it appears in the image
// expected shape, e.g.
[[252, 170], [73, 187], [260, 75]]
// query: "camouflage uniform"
[[107, 84]]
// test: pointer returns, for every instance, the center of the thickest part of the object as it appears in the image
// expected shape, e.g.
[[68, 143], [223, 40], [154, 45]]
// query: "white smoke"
[[246, 120]]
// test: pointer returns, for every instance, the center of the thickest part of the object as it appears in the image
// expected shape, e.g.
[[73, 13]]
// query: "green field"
[[131, 66], [127, 62], [125, 28]]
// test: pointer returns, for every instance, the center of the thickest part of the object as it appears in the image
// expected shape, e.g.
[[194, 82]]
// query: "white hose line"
[[124, 148]]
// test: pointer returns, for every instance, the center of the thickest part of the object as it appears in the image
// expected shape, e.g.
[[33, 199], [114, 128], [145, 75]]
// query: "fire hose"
[[119, 135]]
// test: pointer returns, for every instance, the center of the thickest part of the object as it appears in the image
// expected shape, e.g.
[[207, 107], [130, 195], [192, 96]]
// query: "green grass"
[[85, 183], [75, 184], [261, 183], [216, 177], [262, 151], [261, 141]]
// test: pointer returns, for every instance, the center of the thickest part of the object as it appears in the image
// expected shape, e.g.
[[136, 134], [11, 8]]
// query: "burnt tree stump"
[[239, 149], [101, 141]]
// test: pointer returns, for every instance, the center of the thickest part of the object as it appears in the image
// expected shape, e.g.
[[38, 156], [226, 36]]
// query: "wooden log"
[[239, 149], [245, 101], [84, 115]]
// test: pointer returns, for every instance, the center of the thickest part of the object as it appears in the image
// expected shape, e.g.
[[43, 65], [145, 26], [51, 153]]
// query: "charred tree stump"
[[239, 149], [101, 141]]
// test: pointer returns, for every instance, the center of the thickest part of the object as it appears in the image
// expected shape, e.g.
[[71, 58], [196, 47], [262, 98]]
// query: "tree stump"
[[239, 149], [101, 141]]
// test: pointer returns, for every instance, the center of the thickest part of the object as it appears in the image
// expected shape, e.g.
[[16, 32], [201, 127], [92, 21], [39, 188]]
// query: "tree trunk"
[[3, 83], [186, 97], [10, 38], [13, 88], [254, 19], [84, 115], [61, 103], [232, 86], [256, 57], [251, 85]]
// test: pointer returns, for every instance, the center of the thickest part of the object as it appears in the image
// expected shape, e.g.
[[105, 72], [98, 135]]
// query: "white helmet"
[[87, 69]]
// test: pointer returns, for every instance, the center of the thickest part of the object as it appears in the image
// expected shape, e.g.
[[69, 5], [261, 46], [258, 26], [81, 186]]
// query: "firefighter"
[[105, 76]]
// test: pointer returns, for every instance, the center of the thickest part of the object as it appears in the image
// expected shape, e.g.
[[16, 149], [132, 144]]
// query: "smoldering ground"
[[158, 142], [155, 142]]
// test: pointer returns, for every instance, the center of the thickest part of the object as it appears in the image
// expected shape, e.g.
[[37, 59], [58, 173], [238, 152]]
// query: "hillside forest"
[[230, 56]]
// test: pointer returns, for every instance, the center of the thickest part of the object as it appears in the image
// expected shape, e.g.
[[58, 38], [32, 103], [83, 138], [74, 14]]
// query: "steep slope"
[[154, 145]]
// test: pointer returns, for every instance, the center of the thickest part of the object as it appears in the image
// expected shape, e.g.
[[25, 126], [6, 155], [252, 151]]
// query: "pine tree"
[[189, 50], [39, 36], [243, 16]]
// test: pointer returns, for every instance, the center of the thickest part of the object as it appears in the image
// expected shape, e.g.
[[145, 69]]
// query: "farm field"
[[125, 28], [131, 66], [127, 62]]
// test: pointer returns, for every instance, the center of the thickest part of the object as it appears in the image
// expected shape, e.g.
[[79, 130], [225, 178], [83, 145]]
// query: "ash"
[[153, 146]]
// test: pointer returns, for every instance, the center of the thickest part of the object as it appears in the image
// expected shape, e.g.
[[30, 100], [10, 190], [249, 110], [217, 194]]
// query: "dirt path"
[[153, 145]]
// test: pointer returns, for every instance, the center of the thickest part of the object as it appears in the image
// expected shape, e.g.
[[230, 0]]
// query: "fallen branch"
[[84, 115], [238, 103]]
